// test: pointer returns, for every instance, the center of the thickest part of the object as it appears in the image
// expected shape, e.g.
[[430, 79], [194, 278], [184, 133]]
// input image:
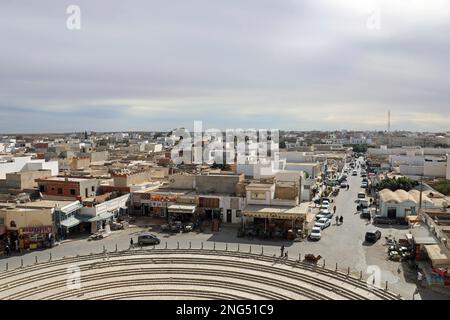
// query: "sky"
[[156, 65]]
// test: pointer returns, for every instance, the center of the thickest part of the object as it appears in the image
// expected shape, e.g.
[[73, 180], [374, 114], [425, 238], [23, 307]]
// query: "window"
[[60, 190], [42, 188], [238, 213], [93, 188], [72, 192], [258, 195]]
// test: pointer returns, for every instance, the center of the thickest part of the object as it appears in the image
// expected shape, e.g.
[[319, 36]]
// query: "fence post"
[[262, 250], [323, 263], [7, 266], [178, 244], [21, 262], [202, 244], [116, 247], [348, 270], [166, 245], [386, 286], [190, 244], [238, 247], [226, 246], [360, 275], [336, 267], [36, 259], [299, 257], [214, 247], [250, 249]]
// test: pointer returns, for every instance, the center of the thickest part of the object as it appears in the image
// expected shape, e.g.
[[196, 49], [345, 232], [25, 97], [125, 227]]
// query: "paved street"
[[349, 235]]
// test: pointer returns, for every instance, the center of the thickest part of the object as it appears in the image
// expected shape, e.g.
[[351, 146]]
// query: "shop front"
[[158, 205], [36, 237], [182, 212], [272, 222]]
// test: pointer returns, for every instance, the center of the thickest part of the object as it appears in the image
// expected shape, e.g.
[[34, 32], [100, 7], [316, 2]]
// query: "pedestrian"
[[337, 220], [341, 219], [286, 254], [334, 209], [7, 250], [131, 242], [282, 249]]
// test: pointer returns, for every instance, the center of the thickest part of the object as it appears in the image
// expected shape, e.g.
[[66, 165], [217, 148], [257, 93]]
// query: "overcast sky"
[[155, 65]]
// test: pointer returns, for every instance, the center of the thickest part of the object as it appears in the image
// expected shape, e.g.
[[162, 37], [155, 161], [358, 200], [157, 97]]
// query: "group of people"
[[339, 220]]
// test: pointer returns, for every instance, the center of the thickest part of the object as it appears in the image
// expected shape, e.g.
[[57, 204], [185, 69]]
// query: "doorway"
[[229, 219], [392, 213]]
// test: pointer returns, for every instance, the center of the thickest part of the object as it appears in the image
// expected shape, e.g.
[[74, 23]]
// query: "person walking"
[[131, 242], [337, 220], [282, 249], [341, 219], [334, 209], [7, 250]]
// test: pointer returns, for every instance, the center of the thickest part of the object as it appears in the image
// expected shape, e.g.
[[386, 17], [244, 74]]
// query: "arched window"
[[12, 224]]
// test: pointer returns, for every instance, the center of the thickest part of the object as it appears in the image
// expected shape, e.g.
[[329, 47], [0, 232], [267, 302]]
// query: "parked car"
[[354, 173], [361, 195], [344, 184], [372, 236], [148, 238], [364, 185], [316, 233], [365, 213], [324, 206], [324, 214], [323, 223], [383, 220]]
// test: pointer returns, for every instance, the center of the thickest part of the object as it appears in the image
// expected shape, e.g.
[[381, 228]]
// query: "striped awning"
[[100, 217], [70, 222]]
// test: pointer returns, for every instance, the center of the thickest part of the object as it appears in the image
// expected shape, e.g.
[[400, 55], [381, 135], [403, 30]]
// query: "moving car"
[[354, 173], [324, 206], [361, 195], [316, 233], [344, 184], [323, 223], [364, 185], [372, 236], [148, 238]]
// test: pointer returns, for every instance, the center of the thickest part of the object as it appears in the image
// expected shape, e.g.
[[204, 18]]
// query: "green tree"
[[402, 183]]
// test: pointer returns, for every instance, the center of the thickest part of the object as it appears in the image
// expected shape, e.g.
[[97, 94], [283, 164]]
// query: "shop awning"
[[72, 207], [274, 212], [70, 222], [100, 217], [181, 208]]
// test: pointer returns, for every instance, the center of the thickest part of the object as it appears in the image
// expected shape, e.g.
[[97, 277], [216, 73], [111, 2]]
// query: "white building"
[[400, 203], [26, 163]]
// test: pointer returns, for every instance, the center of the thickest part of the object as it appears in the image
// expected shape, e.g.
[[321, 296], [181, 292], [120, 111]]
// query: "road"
[[341, 244]]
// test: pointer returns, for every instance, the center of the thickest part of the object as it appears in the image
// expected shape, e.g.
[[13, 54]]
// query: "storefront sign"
[[186, 200], [43, 229]]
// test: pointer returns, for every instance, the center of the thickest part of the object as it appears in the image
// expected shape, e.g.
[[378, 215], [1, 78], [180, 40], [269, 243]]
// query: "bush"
[[443, 186], [394, 184]]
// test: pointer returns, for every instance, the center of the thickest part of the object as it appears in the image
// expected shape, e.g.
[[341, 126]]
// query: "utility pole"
[[421, 191]]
